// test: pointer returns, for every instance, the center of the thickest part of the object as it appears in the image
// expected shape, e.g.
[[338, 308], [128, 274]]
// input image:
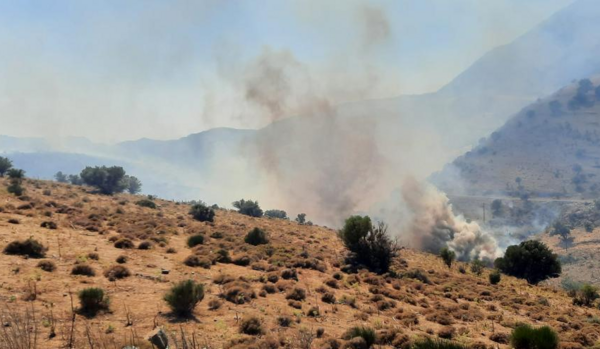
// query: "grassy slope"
[[474, 308]]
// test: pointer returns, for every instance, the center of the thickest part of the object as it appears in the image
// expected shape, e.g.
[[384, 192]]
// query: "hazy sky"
[[125, 69]]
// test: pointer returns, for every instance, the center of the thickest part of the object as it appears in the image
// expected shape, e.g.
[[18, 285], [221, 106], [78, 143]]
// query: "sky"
[[121, 70]]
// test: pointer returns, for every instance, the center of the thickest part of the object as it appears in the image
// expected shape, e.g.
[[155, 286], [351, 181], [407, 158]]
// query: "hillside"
[[550, 149], [422, 298]]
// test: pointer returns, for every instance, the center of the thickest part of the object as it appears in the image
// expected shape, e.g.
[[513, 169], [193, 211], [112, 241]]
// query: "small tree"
[[276, 214], [530, 260], [527, 337], [301, 219], [183, 297], [5, 165], [248, 208], [356, 229], [563, 232], [134, 185], [15, 180], [108, 180], [448, 256], [477, 267], [256, 237], [586, 295], [495, 277], [202, 213], [75, 180], [92, 300], [61, 177]]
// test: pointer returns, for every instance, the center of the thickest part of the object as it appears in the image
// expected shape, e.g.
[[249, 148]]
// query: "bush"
[[527, 337], [83, 269], [117, 272], [124, 243], [48, 266], [448, 256], [428, 343], [183, 297], [145, 245], [248, 208], [328, 297], [122, 259], [477, 267], [108, 180], [195, 261], [5, 165], [93, 255], [530, 260], [297, 294], [30, 247], [49, 225], [370, 245], [256, 237], [146, 203], [284, 321], [92, 300], [366, 333], [586, 295], [251, 326], [276, 214], [495, 277], [223, 256], [202, 213], [242, 261], [195, 240]]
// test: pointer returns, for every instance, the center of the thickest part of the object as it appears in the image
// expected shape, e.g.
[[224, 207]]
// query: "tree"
[[183, 297], [497, 208], [5, 165], [477, 267], [301, 218], [201, 212], [61, 177], [75, 180], [530, 260], [563, 231], [256, 237], [448, 256], [248, 208], [108, 180], [276, 214], [134, 185], [15, 180], [370, 245]]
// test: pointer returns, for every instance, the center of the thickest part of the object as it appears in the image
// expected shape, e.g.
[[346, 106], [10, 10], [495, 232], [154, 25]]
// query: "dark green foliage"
[[276, 214], [256, 237], [61, 177], [530, 260], [371, 245], [75, 180], [527, 337], [223, 256], [83, 269], [134, 185], [429, 343], [562, 230], [30, 247], [251, 326], [146, 203], [495, 277], [195, 240], [248, 208], [366, 333], [202, 213], [585, 295], [16, 180], [108, 180], [301, 218], [5, 165], [124, 243], [448, 256], [92, 300], [183, 297]]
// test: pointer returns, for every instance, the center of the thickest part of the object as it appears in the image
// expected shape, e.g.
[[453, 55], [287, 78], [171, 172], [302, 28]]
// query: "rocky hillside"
[[294, 286], [550, 149]]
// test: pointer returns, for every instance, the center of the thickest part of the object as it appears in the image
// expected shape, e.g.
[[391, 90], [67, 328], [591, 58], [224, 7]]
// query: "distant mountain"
[[549, 149]]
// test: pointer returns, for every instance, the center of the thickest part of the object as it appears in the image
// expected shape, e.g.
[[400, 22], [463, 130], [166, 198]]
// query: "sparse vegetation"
[[146, 203], [83, 269], [117, 272], [251, 326], [183, 297], [48, 266], [366, 333]]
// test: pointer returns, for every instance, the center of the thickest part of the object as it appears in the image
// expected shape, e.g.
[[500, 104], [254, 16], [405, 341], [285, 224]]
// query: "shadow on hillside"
[[178, 319]]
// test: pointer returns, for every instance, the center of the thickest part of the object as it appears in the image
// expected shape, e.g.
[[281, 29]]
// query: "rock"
[[159, 338]]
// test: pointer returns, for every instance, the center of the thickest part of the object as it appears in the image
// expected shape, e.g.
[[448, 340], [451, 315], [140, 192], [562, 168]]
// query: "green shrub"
[[366, 333], [429, 343], [223, 256], [276, 214], [256, 237], [92, 300], [248, 208], [477, 267], [30, 247], [5, 165], [585, 295], [202, 213], [448, 256], [495, 277], [183, 297], [195, 240], [146, 203], [370, 245], [251, 326], [530, 260], [108, 180], [527, 337]]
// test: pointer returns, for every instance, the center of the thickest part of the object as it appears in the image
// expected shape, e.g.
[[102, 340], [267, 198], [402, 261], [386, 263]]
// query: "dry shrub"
[[295, 304], [30, 248], [48, 266], [328, 298], [289, 274], [284, 321], [117, 272], [196, 261], [214, 304], [297, 294], [446, 332], [223, 279], [238, 292], [441, 318], [251, 326], [145, 245], [124, 243], [83, 269], [268, 288]]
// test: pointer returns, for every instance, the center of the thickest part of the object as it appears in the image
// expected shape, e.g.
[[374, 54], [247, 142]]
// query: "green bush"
[[256, 237], [30, 247], [183, 297], [276, 214], [146, 203], [527, 337], [108, 180], [195, 240], [429, 343], [530, 260], [248, 208], [5, 165], [370, 245], [448, 256], [202, 213], [366, 333], [477, 267], [495, 277], [92, 300], [585, 295]]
